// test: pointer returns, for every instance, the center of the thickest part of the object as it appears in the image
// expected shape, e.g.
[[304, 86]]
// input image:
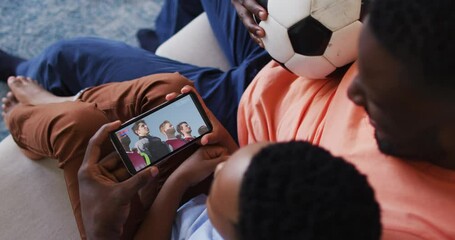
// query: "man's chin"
[[387, 147], [417, 153]]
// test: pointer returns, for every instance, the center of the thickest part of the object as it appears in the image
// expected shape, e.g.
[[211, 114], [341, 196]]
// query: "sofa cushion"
[[34, 202], [195, 44]]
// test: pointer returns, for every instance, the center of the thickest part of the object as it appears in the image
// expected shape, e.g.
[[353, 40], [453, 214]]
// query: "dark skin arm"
[[245, 10], [105, 202], [160, 217], [216, 145]]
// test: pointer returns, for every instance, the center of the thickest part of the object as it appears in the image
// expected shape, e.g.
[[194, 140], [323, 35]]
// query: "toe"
[[21, 79], [11, 79], [10, 96], [14, 82], [4, 108]]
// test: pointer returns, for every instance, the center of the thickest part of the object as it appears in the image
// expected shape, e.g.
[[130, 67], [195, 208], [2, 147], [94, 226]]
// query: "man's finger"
[[136, 182], [92, 153], [210, 138], [121, 173], [256, 9], [111, 161], [214, 151], [218, 152], [148, 193], [171, 96]]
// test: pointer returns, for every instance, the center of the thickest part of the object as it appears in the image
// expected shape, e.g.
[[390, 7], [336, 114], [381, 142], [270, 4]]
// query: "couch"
[[34, 203]]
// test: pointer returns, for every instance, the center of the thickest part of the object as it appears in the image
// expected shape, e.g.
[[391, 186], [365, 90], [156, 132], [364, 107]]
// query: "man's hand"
[[246, 9], [200, 165], [219, 135], [105, 203]]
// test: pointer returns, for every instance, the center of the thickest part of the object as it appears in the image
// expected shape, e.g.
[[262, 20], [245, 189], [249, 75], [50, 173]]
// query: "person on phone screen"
[[139, 160], [168, 130], [202, 129], [184, 129], [148, 144]]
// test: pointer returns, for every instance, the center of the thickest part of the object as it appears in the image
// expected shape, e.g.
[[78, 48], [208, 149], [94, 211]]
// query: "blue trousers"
[[68, 66]]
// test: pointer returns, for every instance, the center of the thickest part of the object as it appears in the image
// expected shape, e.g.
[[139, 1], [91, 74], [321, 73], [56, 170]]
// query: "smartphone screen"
[[156, 134]]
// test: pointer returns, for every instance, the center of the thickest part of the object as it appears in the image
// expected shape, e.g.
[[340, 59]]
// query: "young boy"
[[288, 190]]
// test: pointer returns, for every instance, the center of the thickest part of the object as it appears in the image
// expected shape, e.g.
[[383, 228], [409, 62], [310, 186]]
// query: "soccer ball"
[[312, 38]]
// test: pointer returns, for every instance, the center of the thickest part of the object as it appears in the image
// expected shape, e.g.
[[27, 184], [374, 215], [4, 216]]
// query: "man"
[[168, 130], [185, 130], [392, 114], [148, 144]]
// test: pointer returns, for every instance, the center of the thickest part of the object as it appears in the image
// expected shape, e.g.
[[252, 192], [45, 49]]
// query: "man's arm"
[[105, 203], [158, 222]]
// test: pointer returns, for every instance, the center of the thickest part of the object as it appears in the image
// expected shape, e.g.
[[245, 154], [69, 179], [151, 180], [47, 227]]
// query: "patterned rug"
[[29, 26]]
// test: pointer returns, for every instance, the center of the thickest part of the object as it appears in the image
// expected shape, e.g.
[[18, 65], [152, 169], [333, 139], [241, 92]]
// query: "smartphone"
[[155, 135]]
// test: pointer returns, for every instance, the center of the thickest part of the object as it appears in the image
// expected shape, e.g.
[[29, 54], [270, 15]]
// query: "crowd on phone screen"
[[149, 149]]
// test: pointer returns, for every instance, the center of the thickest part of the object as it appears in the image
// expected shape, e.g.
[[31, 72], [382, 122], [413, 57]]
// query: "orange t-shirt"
[[417, 198]]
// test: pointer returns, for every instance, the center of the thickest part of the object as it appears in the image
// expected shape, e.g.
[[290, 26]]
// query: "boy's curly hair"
[[296, 190]]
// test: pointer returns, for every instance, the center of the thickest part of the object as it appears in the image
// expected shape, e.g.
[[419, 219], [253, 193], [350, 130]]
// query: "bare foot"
[[9, 103], [28, 91]]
